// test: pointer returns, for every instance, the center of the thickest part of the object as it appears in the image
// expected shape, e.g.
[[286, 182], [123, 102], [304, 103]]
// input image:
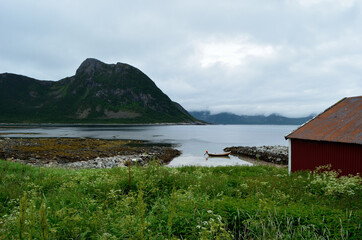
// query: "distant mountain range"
[[97, 93], [229, 118]]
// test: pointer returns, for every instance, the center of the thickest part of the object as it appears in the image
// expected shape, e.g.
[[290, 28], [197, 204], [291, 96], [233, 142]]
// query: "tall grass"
[[177, 203]]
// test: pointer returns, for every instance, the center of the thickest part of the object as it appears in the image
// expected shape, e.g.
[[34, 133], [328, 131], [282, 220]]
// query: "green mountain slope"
[[97, 93]]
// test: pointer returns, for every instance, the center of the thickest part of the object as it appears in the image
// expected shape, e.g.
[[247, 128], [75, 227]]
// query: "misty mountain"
[[229, 118]]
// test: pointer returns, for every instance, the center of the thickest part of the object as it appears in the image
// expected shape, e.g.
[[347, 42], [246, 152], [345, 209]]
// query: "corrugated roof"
[[342, 122]]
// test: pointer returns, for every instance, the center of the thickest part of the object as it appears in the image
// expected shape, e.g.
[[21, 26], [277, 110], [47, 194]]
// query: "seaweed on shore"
[[65, 150]]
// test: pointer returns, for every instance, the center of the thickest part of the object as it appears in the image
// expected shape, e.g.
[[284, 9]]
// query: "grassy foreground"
[[177, 203]]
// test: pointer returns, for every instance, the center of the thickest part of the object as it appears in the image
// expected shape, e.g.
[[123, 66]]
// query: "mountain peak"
[[98, 93], [89, 66]]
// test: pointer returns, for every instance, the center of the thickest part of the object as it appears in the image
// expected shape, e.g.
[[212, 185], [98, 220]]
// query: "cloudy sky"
[[292, 57]]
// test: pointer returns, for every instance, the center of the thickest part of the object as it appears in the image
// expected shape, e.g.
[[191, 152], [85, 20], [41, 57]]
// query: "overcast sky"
[[292, 57]]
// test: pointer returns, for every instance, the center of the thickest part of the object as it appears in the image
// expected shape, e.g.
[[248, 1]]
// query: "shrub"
[[327, 182]]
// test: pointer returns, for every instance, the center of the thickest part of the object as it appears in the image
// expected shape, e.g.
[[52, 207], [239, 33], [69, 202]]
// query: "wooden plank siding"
[[308, 154]]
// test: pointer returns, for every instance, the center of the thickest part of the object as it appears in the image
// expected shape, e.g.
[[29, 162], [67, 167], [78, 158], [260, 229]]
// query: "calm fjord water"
[[192, 140]]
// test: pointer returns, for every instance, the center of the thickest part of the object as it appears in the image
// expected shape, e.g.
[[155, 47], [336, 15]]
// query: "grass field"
[[153, 202]]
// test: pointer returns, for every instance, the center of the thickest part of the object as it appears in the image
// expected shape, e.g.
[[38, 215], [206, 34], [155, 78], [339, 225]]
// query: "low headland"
[[270, 154], [84, 152]]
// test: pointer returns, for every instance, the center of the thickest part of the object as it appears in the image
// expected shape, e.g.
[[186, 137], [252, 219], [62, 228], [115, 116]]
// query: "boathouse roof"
[[341, 122]]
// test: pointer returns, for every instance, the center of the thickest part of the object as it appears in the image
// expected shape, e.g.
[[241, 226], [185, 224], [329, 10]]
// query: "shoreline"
[[5, 125], [84, 152], [259, 162], [108, 153]]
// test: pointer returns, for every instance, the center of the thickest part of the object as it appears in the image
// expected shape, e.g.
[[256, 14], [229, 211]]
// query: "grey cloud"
[[316, 59]]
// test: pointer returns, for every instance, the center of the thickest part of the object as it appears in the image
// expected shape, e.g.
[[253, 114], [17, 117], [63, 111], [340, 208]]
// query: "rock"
[[275, 154]]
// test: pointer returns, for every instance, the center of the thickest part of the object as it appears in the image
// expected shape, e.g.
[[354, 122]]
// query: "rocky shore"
[[84, 152], [273, 154]]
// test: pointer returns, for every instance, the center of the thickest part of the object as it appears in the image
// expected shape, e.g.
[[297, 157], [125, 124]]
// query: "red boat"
[[225, 154]]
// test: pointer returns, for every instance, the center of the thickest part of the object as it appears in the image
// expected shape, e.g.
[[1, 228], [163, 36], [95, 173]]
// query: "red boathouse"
[[332, 137]]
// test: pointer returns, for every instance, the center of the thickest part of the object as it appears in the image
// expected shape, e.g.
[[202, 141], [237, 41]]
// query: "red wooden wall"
[[307, 155]]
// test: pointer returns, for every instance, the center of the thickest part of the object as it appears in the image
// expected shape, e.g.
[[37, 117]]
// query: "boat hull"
[[219, 154]]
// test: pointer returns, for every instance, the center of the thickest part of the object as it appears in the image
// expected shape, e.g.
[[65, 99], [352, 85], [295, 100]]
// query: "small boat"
[[224, 154]]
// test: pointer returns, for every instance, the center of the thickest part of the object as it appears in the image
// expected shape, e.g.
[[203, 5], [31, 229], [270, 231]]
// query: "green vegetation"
[[177, 203]]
